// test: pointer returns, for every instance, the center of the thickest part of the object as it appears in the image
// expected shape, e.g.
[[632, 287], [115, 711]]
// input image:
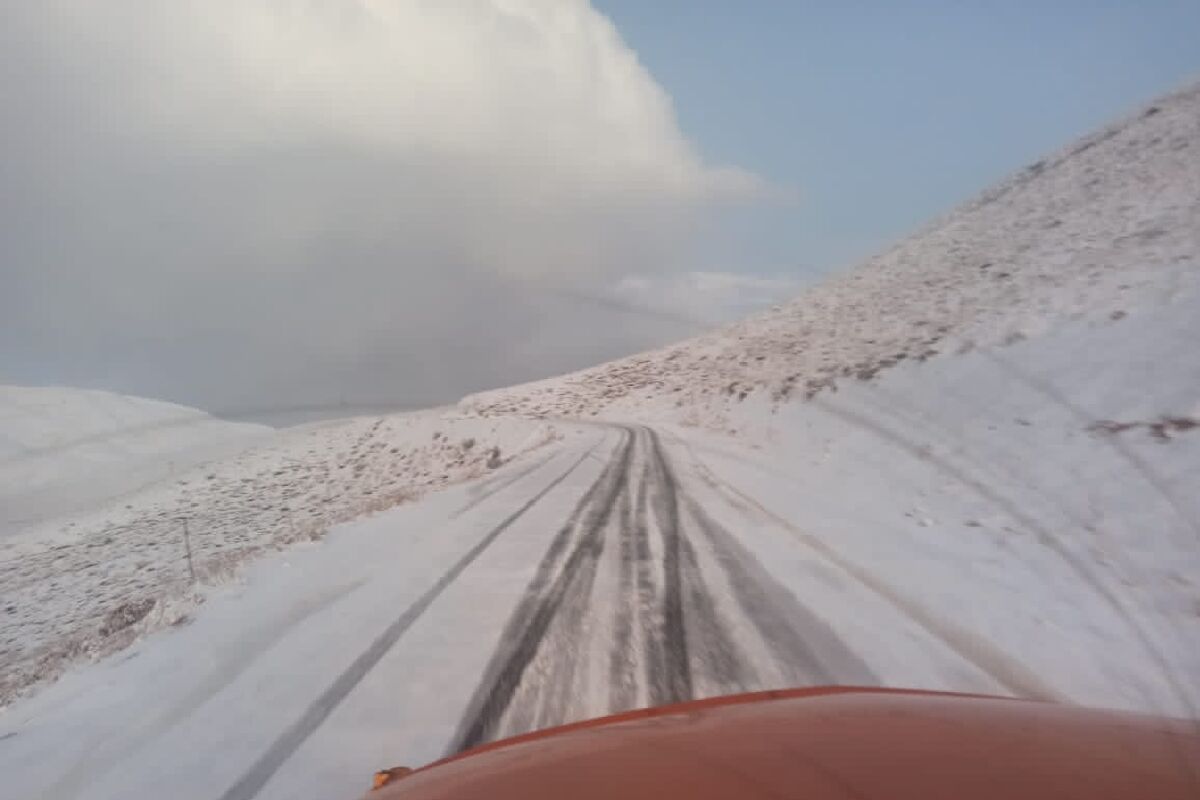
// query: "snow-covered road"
[[624, 564], [602, 576], [602, 624]]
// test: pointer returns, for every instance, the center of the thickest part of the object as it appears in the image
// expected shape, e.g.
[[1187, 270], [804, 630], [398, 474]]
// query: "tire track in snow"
[[653, 656], [1006, 671], [274, 757], [504, 484], [622, 661], [1042, 534], [563, 660], [800, 640], [711, 647], [229, 661], [675, 645], [523, 635], [568, 641], [1045, 388]]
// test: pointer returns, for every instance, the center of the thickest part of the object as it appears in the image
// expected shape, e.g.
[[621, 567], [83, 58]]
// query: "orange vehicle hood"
[[831, 744]]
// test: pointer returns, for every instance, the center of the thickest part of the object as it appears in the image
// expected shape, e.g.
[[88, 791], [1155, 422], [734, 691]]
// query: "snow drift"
[[64, 449]]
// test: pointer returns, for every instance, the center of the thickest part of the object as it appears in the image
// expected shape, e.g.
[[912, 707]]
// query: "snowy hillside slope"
[[86, 584], [1083, 232], [1033, 506], [64, 449]]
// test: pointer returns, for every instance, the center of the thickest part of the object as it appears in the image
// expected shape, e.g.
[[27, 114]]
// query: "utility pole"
[[187, 546]]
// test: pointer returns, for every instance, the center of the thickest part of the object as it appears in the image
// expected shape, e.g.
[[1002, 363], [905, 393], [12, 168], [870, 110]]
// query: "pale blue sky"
[[884, 114]]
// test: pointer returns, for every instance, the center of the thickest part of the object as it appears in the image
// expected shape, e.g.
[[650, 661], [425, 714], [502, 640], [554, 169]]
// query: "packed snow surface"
[[970, 464]]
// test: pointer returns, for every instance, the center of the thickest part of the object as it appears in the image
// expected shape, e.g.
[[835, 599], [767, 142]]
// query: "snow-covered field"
[[63, 450], [970, 464], [82, 585]]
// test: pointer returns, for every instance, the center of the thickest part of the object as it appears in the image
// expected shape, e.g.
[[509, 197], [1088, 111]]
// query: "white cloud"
[[298, 194], [511, 85]]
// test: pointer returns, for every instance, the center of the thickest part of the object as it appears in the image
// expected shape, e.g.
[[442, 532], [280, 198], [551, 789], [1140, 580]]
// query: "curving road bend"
[[599, 577]]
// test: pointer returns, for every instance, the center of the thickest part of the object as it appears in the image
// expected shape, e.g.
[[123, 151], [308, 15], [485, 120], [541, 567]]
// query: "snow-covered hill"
[[1106, 224], [63, 450]]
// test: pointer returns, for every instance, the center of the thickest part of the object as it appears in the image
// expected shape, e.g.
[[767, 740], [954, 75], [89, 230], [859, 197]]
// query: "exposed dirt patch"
[[125, 615], [1160, 429]]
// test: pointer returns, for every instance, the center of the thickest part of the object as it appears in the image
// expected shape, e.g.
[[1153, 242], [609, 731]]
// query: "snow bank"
[[1033, 506], [85, 585], [63, 449]]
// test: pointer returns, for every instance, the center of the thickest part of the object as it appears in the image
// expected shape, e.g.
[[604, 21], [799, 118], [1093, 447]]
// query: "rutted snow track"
[[591, 581], [620, 613]]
